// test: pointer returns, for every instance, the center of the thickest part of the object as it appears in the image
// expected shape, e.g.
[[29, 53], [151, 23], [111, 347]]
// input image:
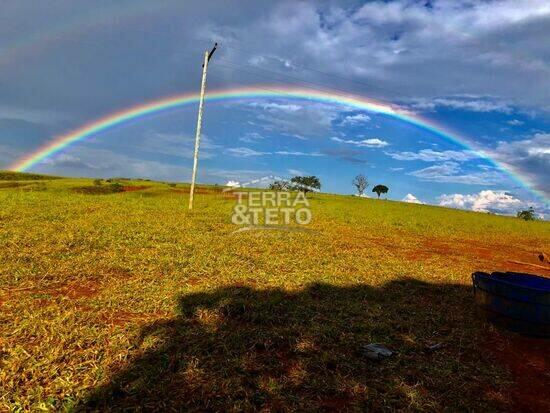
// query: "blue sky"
[[481, 69]]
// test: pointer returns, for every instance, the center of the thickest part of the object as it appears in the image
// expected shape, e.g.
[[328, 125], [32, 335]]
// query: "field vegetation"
[[110, 301]]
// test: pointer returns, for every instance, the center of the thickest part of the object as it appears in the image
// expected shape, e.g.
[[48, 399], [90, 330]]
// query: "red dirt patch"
[[77, 290], [131, 188], [497, 256], [528, 359]]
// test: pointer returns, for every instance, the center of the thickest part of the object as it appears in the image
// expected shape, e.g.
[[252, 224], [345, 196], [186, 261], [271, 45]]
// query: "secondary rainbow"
[[255, 92]]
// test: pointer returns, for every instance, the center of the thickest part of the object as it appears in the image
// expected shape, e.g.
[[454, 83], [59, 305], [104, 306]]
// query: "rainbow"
[[254, 92]]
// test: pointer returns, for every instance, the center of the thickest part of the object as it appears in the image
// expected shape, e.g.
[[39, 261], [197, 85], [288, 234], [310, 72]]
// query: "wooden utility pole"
[[207, 56]]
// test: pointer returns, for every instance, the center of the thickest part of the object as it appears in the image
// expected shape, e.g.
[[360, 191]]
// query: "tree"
[[527, 214], [305, 184], [380, 189], [279, 186], [361, 183]]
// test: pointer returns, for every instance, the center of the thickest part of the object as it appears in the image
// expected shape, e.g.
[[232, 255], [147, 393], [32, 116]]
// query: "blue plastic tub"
[[520, 302]]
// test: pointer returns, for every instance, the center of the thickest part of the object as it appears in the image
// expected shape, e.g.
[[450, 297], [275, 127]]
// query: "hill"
[[115, 299], [24, 176]]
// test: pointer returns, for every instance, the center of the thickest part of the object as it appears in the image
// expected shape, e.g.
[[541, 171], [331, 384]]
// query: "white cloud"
[[470, 103], [251, 137], [68, 161], [233, 184], [277, 107], [295, 172], [366, 143], [356, 119], [245, 152], [411, 199], [515, 122], [450, 172], [429, 155], [500, 202], [298, 153], [302, 121]]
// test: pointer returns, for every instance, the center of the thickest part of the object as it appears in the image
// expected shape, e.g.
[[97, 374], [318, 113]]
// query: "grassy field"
[[126, 299]]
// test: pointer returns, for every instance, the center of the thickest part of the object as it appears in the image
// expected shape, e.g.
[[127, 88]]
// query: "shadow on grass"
[[238, 348]]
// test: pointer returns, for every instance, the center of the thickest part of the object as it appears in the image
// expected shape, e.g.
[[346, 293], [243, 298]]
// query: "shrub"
[[527, 214], [116, 187], [112, 188]]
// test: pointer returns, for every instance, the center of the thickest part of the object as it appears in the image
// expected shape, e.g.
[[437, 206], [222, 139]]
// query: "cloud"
[[39, 116], [244, 176], [346, 154], [365, 143], [69, 161], [296, 172], [176, 144], [450, 172], [298, 153], [500, 202], [7, 155], [277, 107], [429, 155], [483, 56], [486, 48], [302, 121], [245, 152], [515, 122], [352, 120], [252, 137], [481, 51], [105, 163], [468, 103], [411, 199], [529, 158], [233, 184]]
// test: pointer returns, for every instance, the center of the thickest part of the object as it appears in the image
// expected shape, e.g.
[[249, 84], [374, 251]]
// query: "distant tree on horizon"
[[305, 184], [527, 214], [380, 189], [279, 186], [361, 183]]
